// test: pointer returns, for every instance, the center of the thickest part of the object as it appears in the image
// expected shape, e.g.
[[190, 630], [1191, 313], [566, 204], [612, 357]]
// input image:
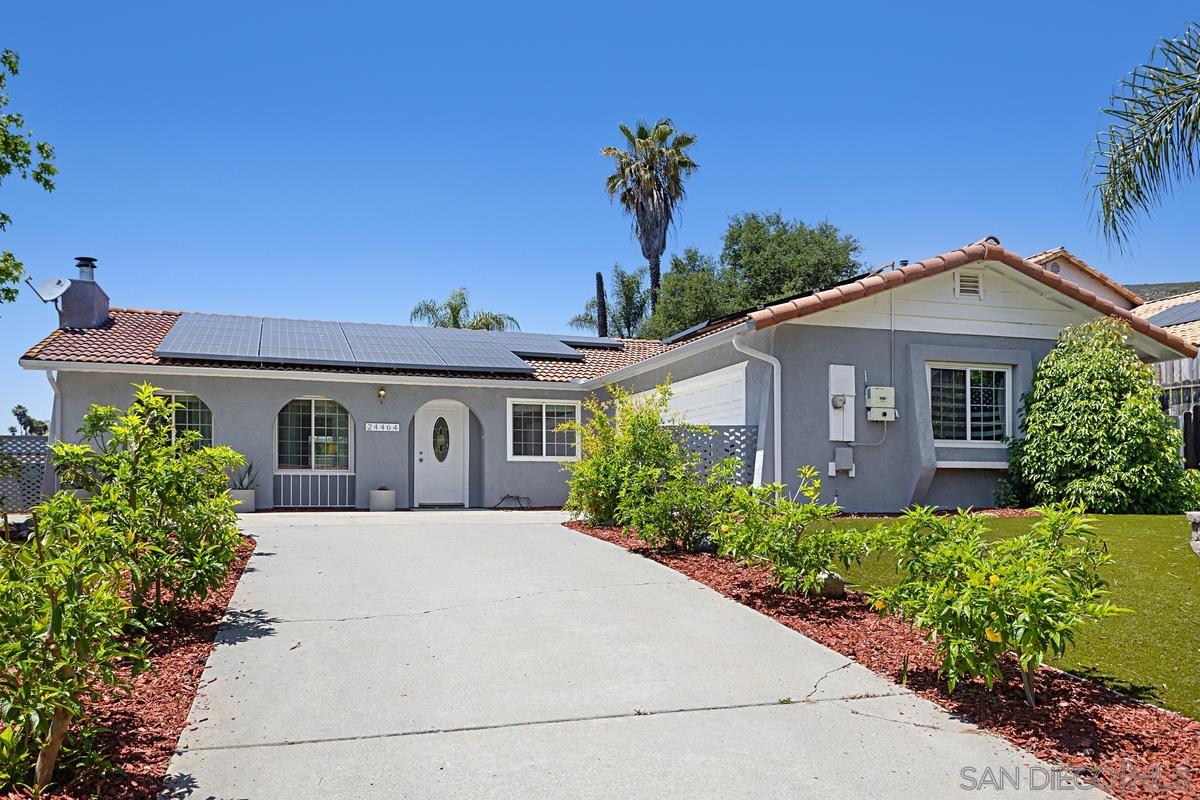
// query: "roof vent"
[[1054, 267], [968, 285]]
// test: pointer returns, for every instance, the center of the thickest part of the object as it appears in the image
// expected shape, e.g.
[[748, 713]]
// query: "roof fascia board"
[[293, 375]]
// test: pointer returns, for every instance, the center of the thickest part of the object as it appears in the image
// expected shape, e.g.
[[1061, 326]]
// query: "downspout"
[[776, 402], [50, 477]]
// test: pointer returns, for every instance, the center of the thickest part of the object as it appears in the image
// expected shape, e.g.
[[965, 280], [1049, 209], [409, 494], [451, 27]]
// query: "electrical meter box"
[[881, 415], [881, 397]]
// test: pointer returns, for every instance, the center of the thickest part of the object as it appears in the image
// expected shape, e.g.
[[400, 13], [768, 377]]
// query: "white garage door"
[[714, 398]]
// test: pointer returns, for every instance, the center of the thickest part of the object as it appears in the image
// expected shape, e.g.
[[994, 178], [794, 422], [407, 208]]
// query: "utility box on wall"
[[881, 404], [841, 402]]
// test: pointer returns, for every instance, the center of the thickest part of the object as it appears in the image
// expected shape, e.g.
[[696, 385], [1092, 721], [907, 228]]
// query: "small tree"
[[1095, 433]]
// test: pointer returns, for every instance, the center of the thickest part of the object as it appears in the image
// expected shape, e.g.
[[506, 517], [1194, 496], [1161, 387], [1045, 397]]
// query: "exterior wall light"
[[382, 394]]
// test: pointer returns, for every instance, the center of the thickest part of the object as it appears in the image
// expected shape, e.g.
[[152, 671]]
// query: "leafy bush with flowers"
[[979, 599], [677, 507]]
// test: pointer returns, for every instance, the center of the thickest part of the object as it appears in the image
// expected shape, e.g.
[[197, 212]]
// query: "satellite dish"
[[51, 290]]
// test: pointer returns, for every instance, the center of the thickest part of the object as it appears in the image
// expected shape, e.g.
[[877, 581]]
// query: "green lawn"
[[1151, 652]]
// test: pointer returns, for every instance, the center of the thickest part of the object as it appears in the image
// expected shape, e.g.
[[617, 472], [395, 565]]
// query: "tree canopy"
[[627, 306], [695, 289], [455, 312], [20, 155]]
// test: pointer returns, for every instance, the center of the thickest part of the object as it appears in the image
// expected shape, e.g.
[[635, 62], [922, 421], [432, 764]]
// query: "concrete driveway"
[[468, 654]]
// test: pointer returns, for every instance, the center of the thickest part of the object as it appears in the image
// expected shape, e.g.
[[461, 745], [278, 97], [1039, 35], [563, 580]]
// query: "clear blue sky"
[[343, 161]]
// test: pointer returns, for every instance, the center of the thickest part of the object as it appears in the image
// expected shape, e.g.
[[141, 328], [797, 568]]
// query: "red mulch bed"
[[142, 726], [1114, 741]]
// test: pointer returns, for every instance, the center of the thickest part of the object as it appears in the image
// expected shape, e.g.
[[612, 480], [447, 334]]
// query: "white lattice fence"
[[31, 453], [725, 441]]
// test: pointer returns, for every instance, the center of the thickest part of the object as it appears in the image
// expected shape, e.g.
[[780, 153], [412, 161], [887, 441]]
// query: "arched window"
[[192, 414], [313, 434]]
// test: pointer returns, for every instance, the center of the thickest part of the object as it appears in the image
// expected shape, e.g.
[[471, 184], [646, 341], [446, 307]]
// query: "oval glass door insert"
[[441, 439]]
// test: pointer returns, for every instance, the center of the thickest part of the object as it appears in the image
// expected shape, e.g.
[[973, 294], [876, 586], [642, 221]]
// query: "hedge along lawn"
[[1151, 652]]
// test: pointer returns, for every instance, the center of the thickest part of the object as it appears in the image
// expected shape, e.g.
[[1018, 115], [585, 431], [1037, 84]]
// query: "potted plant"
[[242, 488], [382, 499]]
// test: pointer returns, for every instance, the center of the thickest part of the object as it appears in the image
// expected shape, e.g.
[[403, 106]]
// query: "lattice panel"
[[725, 441], [23, 492]]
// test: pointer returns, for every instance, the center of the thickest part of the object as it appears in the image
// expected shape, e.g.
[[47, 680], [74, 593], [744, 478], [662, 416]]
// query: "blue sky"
[[344, 161]]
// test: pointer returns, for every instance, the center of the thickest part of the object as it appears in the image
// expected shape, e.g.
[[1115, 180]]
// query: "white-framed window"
[[970, 404], [533, 430], [313, 434], [191, 414]]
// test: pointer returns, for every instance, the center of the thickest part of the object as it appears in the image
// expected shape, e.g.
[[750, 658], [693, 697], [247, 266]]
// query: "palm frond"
[[1153, 140]]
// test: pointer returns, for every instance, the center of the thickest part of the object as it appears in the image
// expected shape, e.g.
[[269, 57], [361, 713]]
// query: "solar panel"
[[472, 350], [301, 341], [588, 341], [1177, 315], [389, 346], [212, 336], [536, 345]]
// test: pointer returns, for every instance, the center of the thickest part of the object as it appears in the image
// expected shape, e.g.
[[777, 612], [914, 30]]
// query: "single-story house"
[[901, 385]]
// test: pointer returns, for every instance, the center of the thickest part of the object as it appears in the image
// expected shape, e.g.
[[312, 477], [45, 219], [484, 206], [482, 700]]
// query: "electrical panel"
[[841, 402], [881, 415], [881, 397]]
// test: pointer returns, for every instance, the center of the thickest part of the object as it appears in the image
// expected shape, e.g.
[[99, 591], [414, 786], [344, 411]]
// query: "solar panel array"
[[294, 341], [602, 342], [1177, 315]]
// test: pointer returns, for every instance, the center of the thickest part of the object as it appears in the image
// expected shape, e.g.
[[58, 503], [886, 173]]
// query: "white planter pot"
[[382, 500], [244, 499]]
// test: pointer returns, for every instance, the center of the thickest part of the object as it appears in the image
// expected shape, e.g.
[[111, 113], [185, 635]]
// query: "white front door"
[[440, 454]]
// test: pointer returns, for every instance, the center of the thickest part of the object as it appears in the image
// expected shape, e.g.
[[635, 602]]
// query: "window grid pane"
[[331, 436], [559, 443], [948, 403], [989, 405], [295, 432], [527, 429], [193, 415]]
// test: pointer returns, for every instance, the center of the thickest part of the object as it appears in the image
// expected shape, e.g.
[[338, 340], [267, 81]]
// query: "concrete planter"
[[382, 500], [244, 499]]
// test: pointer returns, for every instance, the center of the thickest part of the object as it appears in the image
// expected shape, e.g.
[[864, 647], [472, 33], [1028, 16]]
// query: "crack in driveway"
[[532, 723]]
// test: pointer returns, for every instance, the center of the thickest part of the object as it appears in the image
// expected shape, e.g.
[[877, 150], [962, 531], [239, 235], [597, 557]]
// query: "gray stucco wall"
[[244, 411]]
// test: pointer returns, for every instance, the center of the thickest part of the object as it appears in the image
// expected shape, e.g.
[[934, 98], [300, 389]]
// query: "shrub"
[[763, 525], [163, 493], [621, 448], [678, 509], [1095, 433], [980, 599], [64, 617]]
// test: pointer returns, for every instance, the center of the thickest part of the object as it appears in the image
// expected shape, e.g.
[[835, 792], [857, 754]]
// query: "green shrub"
[[763, 525], [1095, 433], [677, 509], [979, 599], [622, 445], [163, 493], [64, 620]]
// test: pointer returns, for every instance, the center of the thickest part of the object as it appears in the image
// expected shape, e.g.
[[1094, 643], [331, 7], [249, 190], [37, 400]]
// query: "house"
[[900, 385]]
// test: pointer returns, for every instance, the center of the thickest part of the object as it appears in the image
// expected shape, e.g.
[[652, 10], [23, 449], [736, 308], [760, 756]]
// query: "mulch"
[[140, 727], [1129, 748]]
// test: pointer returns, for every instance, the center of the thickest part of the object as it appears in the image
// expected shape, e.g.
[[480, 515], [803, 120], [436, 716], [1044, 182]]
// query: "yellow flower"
[[879, 605], [992, 636], [994, 580]]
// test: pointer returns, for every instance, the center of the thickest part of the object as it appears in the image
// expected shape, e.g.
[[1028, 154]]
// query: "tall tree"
[[771, 257], [30, 426], [627, 310], [601, 306], [20, 155], [1153, 139], [647, 179], [695, 289], [455, 312]]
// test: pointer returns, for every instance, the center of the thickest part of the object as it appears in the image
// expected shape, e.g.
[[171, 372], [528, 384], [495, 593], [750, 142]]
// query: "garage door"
[[714, 398]]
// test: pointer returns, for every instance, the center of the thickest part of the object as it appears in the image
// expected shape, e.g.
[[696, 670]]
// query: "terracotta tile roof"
[[132, 335], [1046, 256], [1189, 331], [986, 250]]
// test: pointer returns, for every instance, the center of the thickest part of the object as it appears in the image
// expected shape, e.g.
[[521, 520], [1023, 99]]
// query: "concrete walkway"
[[465, 654]]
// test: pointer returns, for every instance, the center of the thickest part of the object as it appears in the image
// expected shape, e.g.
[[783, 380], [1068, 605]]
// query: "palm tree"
[[455, 312], [1153, 140], [628, 308], [648, 180]]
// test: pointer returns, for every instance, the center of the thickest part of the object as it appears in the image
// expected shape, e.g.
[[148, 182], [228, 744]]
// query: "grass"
[[1151, 652]]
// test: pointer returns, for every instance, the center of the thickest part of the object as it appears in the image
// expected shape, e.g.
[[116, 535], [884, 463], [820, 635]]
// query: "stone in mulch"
[[1131, 749], [141, 726]]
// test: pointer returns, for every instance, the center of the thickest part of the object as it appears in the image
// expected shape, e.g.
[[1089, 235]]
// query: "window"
[[533, 433], [313, 434], [191, 414], [969, 403]]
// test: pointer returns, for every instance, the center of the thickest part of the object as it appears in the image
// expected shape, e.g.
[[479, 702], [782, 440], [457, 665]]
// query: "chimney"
[[84, 304]]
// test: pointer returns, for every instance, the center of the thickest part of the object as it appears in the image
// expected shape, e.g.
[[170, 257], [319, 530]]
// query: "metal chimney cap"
[[85, 261]]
